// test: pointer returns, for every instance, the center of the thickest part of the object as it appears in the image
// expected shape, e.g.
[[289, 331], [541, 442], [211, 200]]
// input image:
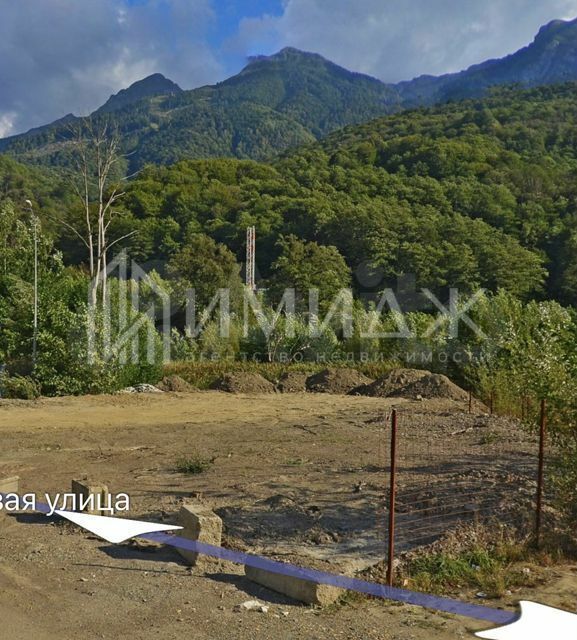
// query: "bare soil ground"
[[297, 476]]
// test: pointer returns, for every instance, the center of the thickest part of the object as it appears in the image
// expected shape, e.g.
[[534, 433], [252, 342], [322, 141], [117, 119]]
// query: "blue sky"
[[229, 16], [62, 56], [230, 13]]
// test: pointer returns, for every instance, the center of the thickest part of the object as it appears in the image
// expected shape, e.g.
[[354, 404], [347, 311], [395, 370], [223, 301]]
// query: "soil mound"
[[338, 381], [242, 382], [293, 382], [392, 384], [435, 386], [175, 384]]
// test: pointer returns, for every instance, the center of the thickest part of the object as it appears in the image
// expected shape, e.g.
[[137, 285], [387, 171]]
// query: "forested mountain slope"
[[282, 101], [479, 193]]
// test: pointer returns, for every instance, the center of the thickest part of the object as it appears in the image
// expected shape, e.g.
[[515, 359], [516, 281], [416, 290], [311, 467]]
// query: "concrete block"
[[10, 485], [200, 524], [84, 488], [295, 588]]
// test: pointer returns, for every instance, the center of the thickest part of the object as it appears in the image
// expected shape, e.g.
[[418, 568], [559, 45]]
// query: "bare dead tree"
[[96, 154]]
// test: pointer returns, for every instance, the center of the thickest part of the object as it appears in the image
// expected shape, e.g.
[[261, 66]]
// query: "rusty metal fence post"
[[392, 500], [470, 402], [541, 472]]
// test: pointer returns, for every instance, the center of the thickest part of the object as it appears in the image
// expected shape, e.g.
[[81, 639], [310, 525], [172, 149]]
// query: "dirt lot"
[[296, 475]]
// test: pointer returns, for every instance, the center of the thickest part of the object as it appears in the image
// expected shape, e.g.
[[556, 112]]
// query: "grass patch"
[[194, 465], [492, 571], [491, 437], [297, 462]]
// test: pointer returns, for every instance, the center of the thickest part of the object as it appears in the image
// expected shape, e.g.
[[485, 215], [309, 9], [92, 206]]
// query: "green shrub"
[[193, 465], [491, 570], [19, 387]]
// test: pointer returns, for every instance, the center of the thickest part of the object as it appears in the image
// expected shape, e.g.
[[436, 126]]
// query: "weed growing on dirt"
[[193, 465], [490, 437], [492, 571], [297, 462]]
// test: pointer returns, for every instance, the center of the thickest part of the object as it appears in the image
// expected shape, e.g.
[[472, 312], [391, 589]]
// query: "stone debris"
[[252, 605], [142, 388]]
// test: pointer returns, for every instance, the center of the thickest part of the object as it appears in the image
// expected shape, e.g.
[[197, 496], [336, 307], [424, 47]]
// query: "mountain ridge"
[[470, 82], [287, 99], [153, 85]]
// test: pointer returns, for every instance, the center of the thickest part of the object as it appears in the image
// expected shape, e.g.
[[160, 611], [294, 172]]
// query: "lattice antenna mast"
[[251, 258]]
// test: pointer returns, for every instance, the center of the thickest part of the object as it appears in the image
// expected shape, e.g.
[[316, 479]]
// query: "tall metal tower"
[[250, 258]]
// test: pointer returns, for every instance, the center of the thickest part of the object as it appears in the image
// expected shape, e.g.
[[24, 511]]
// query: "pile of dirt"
[[434, 386], [338, 381], [392, 384], [413, 384], [243, 382], [293, 382], [175, 384]]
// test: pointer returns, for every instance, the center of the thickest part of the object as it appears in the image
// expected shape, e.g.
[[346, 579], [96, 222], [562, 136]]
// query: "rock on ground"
[[142, 388]]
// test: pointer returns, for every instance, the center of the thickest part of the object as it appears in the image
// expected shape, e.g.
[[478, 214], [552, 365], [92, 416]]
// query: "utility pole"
[[35, 320], [251, 258]]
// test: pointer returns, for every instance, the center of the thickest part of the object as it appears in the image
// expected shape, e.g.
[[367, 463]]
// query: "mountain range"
[[285, 100]]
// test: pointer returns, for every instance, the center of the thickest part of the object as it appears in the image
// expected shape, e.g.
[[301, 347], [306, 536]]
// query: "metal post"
[[470, 402], [35, 325], [492, 403], [541, 473], [34, 220], [251, 258], [253, 273], [392, 500]]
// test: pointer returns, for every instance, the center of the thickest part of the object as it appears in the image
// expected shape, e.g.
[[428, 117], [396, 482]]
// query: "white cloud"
[[7, 121], [61, 56], [395, 40]]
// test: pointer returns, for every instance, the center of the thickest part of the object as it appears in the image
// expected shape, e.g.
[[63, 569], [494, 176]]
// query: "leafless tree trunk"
[[97, 154]]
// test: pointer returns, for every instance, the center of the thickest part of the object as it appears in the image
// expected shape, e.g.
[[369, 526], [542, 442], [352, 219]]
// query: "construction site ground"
[[296, 476]]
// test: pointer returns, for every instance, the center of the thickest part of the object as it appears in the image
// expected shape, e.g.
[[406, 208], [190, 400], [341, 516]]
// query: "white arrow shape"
[[114, 530], [537, 622]]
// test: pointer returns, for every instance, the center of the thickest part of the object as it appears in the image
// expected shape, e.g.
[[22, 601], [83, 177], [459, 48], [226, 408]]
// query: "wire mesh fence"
[[453, 469]]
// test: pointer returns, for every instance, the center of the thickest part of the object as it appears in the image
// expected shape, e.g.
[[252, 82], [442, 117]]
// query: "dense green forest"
[[472, 194], [468, 195]]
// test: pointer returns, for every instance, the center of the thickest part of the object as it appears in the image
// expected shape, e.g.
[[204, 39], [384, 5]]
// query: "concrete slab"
[[10, 485], [295, 588], [84, 488], [201, 524]]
